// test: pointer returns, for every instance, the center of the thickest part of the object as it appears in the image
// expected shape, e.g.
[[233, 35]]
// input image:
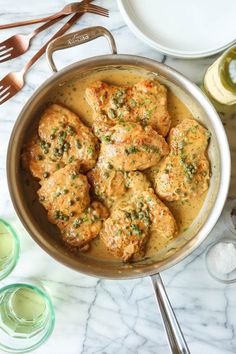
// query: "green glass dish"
[[9, 249], [27, 318]]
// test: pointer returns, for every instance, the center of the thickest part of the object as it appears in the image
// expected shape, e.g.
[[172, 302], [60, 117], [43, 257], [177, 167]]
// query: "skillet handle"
[[175, 336], [76, 38]]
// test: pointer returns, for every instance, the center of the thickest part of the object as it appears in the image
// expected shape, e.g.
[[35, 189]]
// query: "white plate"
[[182, 28]]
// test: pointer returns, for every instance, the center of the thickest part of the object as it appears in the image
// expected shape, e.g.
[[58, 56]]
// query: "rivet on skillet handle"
[[175, 336], [76, 38]]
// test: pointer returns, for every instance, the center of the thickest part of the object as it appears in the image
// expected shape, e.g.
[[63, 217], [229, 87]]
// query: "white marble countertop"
[[102, 316]]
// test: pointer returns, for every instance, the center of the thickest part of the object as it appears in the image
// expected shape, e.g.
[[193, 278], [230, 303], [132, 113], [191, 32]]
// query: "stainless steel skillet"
[[22, 188]]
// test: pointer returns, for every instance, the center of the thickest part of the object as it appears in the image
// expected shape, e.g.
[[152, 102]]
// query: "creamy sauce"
[[72, 95]]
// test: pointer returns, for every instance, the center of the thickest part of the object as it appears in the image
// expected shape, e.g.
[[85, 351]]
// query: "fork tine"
[[2, 47], [99, 10], [97, 7], [93, 11], [4, 90], [5, 52], [5, 58], [6, 97]]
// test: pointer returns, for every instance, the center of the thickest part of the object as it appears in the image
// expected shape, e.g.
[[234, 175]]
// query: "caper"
[[73, 175], [65, 218], [60, 152], [42, 143], [52, 136], [45, 151], [57, 215], [71, 202], [38, 157], [77, 199], [55, 151], [127, 214], [71, 159], [46, 174], [70, 129], [72, 213], [66, 146], [65, 191], [42, 198], [78, 144]]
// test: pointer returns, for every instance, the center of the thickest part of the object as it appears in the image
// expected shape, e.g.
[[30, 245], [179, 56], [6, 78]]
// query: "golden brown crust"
[[133, 147], [144, 103], [133, 219], [185, 172], [64, 195]]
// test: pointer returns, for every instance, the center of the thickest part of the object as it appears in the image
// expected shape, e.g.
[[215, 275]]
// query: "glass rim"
[[49, 331], [16, 255], [220, 66]]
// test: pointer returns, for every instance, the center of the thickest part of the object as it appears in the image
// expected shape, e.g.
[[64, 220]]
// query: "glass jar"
[[26, 318], [9, 249], [220, 79]]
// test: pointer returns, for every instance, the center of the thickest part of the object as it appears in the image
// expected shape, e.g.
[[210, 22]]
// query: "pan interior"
[[24, 186]]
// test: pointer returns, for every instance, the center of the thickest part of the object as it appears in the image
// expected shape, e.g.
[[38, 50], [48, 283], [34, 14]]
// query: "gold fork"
[[19, 43], [14, 81], [67, 10]]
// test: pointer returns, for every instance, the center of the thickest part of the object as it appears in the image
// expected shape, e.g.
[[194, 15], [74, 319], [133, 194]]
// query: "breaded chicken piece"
[[64, 195], [133, 147], [109, 184], [39, 163], [133, 219], [144, 103], [189, 138], [185, 172], [62, 139], [83, 228]]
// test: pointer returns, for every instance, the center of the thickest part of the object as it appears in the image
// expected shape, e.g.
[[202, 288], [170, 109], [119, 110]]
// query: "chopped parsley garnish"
[[131, 150], [136, 229], [111, 113], [90, 150]]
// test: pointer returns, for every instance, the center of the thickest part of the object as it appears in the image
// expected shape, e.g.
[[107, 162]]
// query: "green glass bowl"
[[27, 318], [8, 263]]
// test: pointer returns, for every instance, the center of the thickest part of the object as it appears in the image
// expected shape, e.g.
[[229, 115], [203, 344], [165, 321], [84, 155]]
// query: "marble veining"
[[104, 316]]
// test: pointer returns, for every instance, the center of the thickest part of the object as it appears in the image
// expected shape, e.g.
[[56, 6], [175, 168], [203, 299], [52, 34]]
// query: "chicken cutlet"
[[108, 184], [83, 228], [185, 172], [133, 147], [64, 195], [62, 139], [144, 103], [39, 163], [133, 220]]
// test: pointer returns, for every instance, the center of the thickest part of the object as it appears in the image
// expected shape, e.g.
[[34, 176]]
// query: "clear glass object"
[[9, 249], [227, 274], [26, 318], [220, 79]]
